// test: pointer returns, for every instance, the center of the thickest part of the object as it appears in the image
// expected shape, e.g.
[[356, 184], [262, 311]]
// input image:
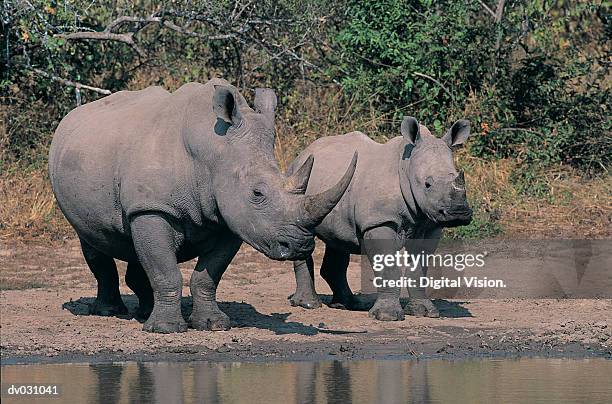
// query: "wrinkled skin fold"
[[157, 178], [405, 190]]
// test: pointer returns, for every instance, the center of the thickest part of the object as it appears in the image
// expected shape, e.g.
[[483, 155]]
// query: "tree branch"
[[127, 38], [487, 8], [499, 11], [425, 76], [185, 31], [239, 26], [124, 19], [70, 83]]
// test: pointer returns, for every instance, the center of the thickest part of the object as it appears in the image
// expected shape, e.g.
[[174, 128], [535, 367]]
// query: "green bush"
[[539, 73], [533, 79], [413, 57]]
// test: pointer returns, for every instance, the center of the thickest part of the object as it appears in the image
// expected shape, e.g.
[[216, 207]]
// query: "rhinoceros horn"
[[298, 181], [265, 103], [314, 208]]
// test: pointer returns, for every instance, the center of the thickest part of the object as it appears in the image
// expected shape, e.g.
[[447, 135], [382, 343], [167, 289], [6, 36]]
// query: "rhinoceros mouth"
[[287, 249], [283, 249], [455, 217]]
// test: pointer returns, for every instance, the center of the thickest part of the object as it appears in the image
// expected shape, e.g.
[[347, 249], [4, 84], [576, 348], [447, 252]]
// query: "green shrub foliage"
[[532, 76]]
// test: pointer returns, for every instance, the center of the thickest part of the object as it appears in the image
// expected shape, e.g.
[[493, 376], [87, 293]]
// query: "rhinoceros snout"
[[456, 216], [291, 249]]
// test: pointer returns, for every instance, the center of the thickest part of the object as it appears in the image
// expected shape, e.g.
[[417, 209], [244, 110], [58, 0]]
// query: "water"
[[370, 381]]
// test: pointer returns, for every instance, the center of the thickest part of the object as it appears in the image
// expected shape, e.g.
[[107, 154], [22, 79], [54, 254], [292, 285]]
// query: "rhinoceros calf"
[[154, 178], [407, 188]]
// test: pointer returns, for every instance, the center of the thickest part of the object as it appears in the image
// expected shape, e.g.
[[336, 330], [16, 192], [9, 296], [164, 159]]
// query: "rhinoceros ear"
[[458, 133], [410, 130], [225, 105]]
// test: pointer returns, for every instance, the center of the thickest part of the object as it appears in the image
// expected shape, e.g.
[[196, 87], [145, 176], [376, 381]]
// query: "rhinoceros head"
[[436, 186], [257, 202]]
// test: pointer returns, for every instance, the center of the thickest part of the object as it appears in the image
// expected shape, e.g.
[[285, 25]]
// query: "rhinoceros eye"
[[428, 182], [257, 196]]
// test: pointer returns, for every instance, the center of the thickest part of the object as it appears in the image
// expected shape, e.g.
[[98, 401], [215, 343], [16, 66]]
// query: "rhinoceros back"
[[126, 154], [374, 195], [89, 153]]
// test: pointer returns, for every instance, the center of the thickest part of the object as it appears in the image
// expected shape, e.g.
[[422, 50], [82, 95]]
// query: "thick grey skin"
[[154, 179], [407, 188]]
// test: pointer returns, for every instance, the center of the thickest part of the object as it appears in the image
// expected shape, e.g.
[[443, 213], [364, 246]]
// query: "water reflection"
[[524, 380]]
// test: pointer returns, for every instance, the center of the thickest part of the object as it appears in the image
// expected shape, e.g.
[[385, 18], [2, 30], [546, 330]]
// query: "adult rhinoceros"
[[155, 178], [405, 189]]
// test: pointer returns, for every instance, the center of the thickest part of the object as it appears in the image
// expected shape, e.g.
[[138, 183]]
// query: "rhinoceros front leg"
[[305, 294], [206, 314], [418, 304], [156, 243], [383, 240]]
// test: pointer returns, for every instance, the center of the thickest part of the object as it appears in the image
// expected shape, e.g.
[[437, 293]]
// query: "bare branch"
[[499, 11], [127, 38], [240, 27], [487, 8], [70, 83], [185, 31], [104, 35], [124, 19], [425, 76], [237, 16]]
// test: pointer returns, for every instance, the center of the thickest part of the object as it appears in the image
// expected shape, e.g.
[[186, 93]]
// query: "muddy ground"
[[47, 289]]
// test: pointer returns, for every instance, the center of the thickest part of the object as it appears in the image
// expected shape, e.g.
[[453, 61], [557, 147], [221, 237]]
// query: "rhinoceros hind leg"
[[333, 270], [137, 280], [305, 294], [108, 301]]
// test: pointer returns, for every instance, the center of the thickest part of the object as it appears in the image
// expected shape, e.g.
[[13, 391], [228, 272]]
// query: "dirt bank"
[[47, 289]]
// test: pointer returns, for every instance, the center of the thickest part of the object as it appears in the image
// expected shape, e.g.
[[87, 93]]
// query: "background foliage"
[[532, 76]]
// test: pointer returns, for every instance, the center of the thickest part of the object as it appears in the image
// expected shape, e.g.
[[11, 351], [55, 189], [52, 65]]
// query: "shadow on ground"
[[242, 315], [451, 309], [446, 308]]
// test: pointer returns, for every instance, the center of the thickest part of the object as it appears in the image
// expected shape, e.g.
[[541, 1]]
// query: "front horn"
[[314, 208]]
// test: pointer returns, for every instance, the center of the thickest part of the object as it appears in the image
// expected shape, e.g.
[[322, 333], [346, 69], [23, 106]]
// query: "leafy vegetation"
[[537, 72], [532, 76]]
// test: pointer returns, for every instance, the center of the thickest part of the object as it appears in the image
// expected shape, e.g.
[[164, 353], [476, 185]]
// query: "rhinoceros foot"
[[421, 308], [305, 300], [387, 310], [99, 308], [210, 319], [165, 324]]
